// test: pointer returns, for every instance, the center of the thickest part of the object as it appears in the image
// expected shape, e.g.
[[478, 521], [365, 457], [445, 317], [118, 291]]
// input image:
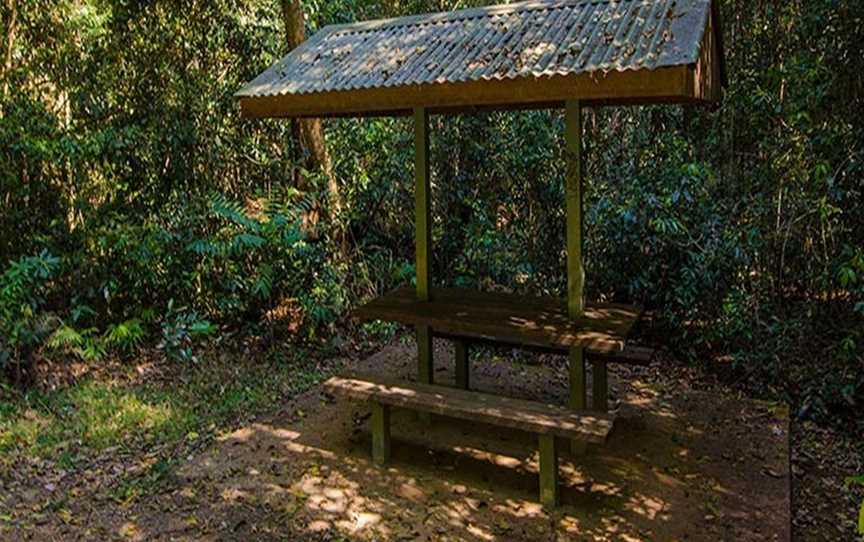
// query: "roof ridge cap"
[[461, 14]]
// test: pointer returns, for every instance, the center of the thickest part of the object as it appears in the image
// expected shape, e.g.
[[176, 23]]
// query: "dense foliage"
[[136, 207]]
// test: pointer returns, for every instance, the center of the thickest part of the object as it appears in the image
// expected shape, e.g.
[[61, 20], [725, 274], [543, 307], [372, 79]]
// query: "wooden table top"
[[509, 318]]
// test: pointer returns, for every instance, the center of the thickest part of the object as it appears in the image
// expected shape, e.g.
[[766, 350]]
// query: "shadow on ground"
[[679, 466]]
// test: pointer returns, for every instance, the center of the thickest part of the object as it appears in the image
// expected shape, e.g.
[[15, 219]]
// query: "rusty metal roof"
[[536, 39]]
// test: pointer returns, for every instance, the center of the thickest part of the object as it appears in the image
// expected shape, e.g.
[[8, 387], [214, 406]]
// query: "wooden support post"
[[380, 433], [600, 401], [423, 241], [575, 264], [548, 471], [462, 365], [575, 220], [422, 207]]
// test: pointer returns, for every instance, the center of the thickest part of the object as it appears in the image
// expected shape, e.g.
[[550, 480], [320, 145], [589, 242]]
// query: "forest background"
[[139, 211]]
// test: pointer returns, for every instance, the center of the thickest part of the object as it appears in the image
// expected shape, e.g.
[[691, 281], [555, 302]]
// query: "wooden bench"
[[547, 421]]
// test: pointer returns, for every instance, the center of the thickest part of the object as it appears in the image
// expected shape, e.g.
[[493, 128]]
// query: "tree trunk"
[[12, 8], [309, 133]]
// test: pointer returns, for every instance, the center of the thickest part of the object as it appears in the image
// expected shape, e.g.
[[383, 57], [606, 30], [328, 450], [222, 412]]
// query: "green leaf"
[[66, 337], [861, 520], [847, 276], [202, 328], [855, 480]]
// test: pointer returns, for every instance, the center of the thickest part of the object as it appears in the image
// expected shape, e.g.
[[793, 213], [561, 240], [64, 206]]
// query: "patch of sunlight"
[[26, 430], [480, 533], [107, 416], [489, 457], [363, 520], [411, 492], [94, 415], [646, 505], [570, 525]]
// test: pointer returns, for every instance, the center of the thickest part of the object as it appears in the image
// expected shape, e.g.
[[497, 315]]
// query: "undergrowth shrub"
[[23, 324], [181, 330], [213, 262], [171, 216]]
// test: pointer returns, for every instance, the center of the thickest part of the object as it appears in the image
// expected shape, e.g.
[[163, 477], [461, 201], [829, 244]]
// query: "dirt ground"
[[679, 466]]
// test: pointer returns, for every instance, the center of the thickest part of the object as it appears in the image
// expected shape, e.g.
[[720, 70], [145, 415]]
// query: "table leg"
[[425, 363], [577, 390], [577, 378], [462, 366], [600, 387]]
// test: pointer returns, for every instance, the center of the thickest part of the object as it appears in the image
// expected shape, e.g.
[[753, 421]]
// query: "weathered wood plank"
[[527, 321], [517, 414]]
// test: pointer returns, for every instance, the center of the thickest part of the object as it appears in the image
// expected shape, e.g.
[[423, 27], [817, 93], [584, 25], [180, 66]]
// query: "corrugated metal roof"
[[530, 39]]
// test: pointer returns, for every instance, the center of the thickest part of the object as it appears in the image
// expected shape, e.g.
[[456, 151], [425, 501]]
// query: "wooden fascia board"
[[663, 85], [708, 72]]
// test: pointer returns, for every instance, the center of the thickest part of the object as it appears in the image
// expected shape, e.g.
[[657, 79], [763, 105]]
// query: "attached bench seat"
[[547, 421], [631, 355]]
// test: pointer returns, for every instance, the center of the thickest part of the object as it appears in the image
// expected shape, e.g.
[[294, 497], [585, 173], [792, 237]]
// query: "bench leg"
[[600, 387], [380, 433], [577, 391], [462, 367], [548, 471]]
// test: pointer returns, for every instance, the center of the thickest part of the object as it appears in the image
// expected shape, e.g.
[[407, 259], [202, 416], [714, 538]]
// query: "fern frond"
[[125, 335], [66, 338]]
